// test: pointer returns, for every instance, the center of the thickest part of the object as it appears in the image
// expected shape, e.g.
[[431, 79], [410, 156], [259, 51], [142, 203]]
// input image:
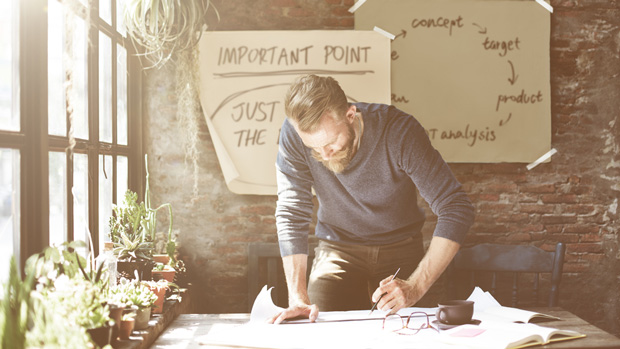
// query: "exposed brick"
[[258, 209], [284, 3], [500, 187], [581, 228], [554, 228], [527, 198], [559, 198], [575, 267], [566, 238], [484, 197], [585, 247], [590, 238], [591, 257], [537, 188], [341, 11], [536, 208], [269, 221], [299, 12], [508, 217], [580, 209], [555, 219], [494, 207], [519, 237], [229, 249]]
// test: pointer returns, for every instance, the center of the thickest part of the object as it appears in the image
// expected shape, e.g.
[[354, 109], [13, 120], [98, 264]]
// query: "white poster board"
[[474, 73], [245, 75]]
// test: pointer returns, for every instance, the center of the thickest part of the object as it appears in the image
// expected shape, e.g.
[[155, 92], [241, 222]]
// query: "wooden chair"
[[265, 268], [520, 262]]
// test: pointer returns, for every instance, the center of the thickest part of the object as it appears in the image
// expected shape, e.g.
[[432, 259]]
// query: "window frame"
[[33, 141]]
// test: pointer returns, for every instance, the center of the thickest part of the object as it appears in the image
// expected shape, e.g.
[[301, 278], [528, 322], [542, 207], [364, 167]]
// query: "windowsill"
[[173, 306]]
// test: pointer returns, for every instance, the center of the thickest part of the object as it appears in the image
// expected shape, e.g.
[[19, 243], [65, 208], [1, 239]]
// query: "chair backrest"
[[265, 268], [520, 262]]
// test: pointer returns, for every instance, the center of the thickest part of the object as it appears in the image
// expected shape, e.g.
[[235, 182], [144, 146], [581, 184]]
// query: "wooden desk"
[[187, 327]]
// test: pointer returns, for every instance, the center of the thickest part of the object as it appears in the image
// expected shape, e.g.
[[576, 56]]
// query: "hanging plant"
[[171, 29], [165, 27]]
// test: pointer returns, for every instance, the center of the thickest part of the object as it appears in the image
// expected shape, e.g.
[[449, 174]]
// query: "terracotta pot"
[[126, 328], [116, 313], [164, 274], [142, 319], [158, 306], [101, 336], [161, 258]]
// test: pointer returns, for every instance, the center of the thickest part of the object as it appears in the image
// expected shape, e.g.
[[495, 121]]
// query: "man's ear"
[[351, 113]]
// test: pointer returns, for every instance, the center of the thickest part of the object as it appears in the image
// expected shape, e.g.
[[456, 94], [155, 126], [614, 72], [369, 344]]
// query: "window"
[[69, 146]]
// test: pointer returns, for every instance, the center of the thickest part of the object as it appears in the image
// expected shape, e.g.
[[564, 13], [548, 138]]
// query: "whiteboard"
[[245, 75], [474, 73]]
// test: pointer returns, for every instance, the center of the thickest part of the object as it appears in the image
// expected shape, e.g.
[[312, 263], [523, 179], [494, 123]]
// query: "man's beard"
[[340, 160]]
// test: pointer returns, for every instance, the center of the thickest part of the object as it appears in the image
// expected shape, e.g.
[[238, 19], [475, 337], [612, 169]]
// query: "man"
[[366, 162]]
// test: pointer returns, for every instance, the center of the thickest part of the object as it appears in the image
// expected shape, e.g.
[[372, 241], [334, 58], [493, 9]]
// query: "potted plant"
[[15, 308], [67, 307], [133, 246], [127, 324], [83, 304], [136, 296], [151, 223], [163, 271], [159, 288]]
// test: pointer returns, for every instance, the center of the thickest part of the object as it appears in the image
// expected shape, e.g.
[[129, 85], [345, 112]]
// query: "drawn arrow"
[[481, 31], [403, 33], [514, 77]]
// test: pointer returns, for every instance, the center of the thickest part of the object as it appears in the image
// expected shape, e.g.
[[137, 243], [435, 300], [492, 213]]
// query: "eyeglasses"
[[396, 323]]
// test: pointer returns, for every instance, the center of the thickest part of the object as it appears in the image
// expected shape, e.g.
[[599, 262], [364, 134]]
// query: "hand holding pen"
[[378, 300]]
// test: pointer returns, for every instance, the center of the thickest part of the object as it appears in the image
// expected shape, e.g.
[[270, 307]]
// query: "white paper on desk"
[[482, 300], [488, 309], [345, 334], [264, 309]]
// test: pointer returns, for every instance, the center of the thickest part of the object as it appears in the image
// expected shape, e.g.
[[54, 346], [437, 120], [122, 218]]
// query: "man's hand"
[[399, 294], [405, 293], [306, 311]]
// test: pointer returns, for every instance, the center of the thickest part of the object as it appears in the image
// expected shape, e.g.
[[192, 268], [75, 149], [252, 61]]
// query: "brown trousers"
[[344, 277]]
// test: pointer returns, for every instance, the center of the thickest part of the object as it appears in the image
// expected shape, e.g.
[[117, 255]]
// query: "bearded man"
[[366, 163]]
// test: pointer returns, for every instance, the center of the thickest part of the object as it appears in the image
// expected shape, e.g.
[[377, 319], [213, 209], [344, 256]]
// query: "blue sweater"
[[374, 200]]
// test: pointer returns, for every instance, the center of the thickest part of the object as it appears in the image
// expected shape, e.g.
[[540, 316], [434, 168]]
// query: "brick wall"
[[573, 199]]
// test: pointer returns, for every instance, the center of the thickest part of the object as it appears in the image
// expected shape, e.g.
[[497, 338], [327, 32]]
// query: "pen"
[[377, 302]]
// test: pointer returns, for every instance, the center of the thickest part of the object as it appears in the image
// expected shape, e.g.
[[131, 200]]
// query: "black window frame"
[[33, 141]]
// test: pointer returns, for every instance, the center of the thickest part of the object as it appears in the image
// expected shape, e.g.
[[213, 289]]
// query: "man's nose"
[[326, 153]]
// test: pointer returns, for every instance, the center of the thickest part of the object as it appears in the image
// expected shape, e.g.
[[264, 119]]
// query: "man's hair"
[[310, 97]]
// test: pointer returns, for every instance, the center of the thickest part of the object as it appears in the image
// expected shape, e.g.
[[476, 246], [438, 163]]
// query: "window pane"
[[105, 198], [120, 20], [9, 117], [105, 88], [105, 10], [75, 69], [9, 208], [80, 199], [121, 96], [122, 182], [58, 197], [56, 106]]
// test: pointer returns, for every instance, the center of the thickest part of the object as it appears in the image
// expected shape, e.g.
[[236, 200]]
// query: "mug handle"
[[438, 315]]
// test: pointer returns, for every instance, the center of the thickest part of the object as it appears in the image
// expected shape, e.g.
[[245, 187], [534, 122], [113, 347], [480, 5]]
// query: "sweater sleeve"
[[294, 207], [434, 180]]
